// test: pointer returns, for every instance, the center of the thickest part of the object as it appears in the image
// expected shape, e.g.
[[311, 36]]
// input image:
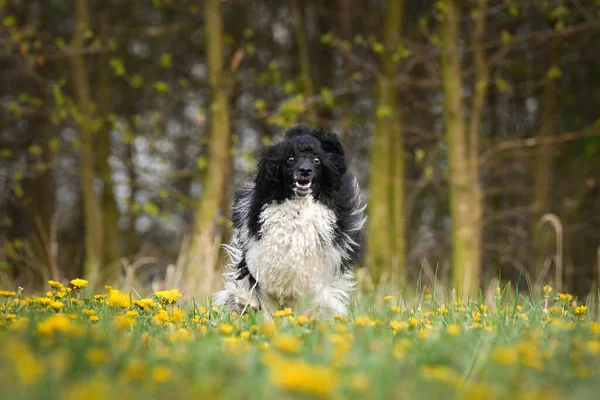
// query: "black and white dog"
[[297, 228]]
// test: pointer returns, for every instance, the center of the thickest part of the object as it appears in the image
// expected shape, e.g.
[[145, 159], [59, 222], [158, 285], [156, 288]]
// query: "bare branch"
[[535, 141]]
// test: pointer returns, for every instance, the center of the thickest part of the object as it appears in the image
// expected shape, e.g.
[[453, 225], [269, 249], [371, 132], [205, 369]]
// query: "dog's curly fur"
[[297, 228]]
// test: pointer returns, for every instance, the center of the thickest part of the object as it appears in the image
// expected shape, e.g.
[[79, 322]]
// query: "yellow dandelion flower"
[[395, 309], [57, 322], [94, 318], [302, 320], [442, 309], [364, 320], [6, 293], [108, 288], [122, 322], [268, 328], [144, 304], [43, 301], [505, 356], [96, 356], [441, 373], [453, 329], [131, 314], [226, 329], [398, 325], [55, 284], [161, 317], [56, 305], [168, 296], [581, 310], [566, 297], [301, 377], [287, 343], [10, 317], [28, 368], [245, 335], [547, 289], [387, 299], [595, 328], [413, 322], [117, 298], [161, 374], [593, 346], [95, 389], [79, 283], [283, 313], [178, 315], [524, 317], [135, 370], [483, 308], [88, 311]]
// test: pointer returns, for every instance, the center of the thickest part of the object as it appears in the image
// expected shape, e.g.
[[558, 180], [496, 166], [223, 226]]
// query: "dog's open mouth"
[[303, 184]]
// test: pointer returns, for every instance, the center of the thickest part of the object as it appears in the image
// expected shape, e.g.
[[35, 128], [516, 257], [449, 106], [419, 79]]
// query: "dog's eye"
[[291, 160], [317, 160]]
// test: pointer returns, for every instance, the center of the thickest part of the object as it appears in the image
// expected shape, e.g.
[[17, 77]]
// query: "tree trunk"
[[203, 246], [464, 262], [133, 239], [345, 19], [91, 206], [111, 214], [386, 253], [548, 125], [480, 89], [304, 56]]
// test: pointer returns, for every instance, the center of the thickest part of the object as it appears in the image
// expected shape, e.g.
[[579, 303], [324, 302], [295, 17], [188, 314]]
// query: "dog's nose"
[[305, 168]]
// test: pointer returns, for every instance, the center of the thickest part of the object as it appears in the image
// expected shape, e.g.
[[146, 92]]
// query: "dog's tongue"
[[303, 182]]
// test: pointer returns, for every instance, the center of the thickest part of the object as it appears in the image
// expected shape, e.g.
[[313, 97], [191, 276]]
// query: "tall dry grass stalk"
[[558, 258]]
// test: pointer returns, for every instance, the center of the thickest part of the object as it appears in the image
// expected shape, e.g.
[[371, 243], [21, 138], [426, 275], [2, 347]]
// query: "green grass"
[[75, 345]]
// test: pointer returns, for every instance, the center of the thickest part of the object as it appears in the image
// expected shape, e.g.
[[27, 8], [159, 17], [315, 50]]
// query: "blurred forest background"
[[473, 128]]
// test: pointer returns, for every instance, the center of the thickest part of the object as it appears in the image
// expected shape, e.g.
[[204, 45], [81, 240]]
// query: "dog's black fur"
[[332, 185]]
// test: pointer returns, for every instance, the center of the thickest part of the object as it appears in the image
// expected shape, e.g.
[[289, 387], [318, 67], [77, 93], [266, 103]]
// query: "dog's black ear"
[[331, 144], [269, 178]]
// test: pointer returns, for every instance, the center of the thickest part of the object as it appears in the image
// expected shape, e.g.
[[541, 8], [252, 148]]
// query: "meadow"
[[74, 344]]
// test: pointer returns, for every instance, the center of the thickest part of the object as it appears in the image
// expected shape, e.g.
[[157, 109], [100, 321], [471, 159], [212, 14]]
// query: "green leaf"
[[35, 150], [260, 104], [326, 38], [6, 153], [137, 81], [201, 163], [9, 20], [502, 85], [166, 60], [505, 36], [383, 112], [378, 47], [248, 33], [54, 144], [327, 96], [289, 87], [428, 172], [161, 87], [513, 10], [118, 66], [419, 155], [554, 73], [151, 209]]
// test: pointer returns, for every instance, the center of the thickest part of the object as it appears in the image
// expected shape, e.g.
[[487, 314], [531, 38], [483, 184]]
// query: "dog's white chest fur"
[[295, 254]]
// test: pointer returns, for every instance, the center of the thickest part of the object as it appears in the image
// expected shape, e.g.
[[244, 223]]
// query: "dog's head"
[[307, 161]]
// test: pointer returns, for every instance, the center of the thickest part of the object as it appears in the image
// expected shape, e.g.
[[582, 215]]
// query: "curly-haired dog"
[[297, 228]]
